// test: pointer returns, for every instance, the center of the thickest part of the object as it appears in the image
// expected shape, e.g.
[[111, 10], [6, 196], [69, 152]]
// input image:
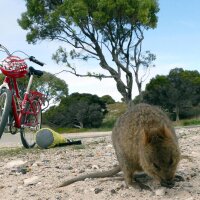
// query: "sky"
[[175, 42]]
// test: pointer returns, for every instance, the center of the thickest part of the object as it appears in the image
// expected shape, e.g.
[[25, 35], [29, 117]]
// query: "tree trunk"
[[139, 86], [177, 110], [79, 126]]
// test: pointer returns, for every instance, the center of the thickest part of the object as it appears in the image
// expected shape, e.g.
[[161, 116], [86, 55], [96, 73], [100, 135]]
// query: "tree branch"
[[99, 76]]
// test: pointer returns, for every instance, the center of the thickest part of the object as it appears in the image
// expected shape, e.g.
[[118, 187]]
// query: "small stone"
[[98, 190], [34, 165], [95, 167], [190, 198], [108, 154], [31, 181], [110, 146], [58, 197], [193, 174], [81, 171], [187, 184], [46, 161], [37, 164], [58, 152], [88, 166], [15, 163], [90, 155], [121, 186], [113, 191], [160, 192], [69, 168], [14, 191], [22, 170]]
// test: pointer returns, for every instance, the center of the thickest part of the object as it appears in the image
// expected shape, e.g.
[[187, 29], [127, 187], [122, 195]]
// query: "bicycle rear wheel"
[[31, 123], [5, 107]]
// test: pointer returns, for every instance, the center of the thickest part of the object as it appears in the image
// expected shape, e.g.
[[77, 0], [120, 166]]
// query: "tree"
[[77, 110], [108, 99], [157, 91], [177, 91], [52, 87], [107, 32]]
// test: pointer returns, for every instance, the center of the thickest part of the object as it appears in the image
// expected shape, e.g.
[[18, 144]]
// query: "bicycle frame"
[[18, 111], [18, 106]]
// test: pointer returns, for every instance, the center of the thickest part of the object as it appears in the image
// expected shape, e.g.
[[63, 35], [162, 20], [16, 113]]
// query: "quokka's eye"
[[156, 166], [171, 162]]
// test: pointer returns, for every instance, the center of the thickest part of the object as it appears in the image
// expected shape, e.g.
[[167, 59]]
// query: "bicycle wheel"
[[5, 106], [30, 124]]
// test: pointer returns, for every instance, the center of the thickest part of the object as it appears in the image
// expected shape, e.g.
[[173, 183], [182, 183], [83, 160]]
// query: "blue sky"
[[175, 41]]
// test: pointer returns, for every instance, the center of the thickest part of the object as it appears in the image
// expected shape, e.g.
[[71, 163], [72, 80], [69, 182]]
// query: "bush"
[[77, 111], [191, 122]]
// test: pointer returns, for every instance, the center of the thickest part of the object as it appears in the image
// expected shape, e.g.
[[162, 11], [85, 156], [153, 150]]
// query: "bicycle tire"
[[23, 131], [5, 107]]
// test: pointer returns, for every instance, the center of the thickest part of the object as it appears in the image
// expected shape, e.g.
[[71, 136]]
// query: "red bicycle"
[[17, 113]]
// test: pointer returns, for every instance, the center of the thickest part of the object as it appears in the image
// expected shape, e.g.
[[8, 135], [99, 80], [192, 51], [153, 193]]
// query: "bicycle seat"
[[35, 72]]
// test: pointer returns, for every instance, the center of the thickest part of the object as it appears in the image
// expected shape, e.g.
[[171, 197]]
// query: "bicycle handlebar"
[[5, 49], [33, 59]]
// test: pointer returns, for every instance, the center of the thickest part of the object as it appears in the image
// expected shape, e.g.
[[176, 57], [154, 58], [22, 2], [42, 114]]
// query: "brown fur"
[[144, 140], [104, 174]]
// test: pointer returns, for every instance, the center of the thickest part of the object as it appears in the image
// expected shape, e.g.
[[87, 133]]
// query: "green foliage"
[[157, 91], [77, 110], [45, 19], [114, 111], [108, 99], [95, 30], [178, 92], [109, 123], [53, 87]]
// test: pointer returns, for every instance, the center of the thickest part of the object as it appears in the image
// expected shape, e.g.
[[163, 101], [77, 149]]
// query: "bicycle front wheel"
[[31, 123], [5, 107]]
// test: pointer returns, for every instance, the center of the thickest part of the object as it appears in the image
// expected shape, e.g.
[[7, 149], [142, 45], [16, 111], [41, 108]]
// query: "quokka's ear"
[[149, 135], [146, 137], [167, 132], [156, 135]]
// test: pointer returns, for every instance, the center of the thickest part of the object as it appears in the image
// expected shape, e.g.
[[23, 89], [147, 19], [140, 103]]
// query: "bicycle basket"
[[14, 67]]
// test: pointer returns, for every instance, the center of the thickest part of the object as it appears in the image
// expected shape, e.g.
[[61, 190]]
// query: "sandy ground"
[[35, 174]]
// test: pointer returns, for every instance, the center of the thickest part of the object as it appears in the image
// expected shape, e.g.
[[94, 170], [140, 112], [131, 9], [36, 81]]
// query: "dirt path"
[[35, 174], [9, 140]]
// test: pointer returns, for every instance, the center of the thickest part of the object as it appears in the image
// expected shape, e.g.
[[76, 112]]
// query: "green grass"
[[191, 122], [187, 122], [114, 111], [76, 130]]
